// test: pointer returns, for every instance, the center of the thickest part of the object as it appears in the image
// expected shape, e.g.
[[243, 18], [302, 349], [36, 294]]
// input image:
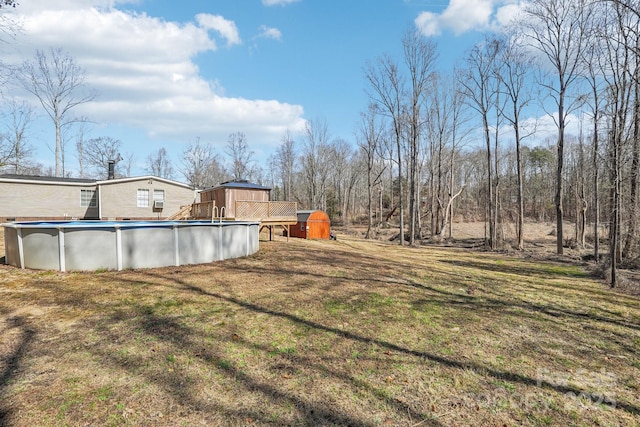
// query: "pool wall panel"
[[42, 248], [197, 245], [90, 249], [93, 245], [147, 247], [11, 249]]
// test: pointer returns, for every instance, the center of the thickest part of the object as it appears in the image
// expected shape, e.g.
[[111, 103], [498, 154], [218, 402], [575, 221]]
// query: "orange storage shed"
[[311, 225]]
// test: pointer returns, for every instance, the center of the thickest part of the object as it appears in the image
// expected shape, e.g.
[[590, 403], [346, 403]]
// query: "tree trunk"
[[451, 197], [559, 184], [447, 210], [614, 232], [369, 203], [412, 191], [400, 190], [490, 209], [582, 212], [520, 230], [58, 147], [631, 242], [596, 189]]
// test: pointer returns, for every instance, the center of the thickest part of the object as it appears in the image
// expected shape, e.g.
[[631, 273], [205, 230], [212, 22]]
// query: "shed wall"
[[227, 197], [314, 226], [319, 225], [234, 195]]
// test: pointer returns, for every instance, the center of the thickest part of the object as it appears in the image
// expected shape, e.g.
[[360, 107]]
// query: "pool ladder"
[[215, 213]]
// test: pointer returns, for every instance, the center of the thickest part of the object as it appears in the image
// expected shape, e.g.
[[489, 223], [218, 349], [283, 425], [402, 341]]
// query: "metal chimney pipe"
[[111, 169]]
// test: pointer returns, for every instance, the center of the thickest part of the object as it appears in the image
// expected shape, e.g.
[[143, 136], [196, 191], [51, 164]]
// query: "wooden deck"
[[269, 214]]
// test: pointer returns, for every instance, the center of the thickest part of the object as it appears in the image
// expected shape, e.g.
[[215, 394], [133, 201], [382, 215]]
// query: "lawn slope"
[[320, 333]]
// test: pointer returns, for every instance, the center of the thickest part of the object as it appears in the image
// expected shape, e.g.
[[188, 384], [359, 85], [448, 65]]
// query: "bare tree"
[[558, 29], [420, 55], [159, 164], [444, 122], [592, 75], [58, 82], [17, 150], [241, 157], [97, 152], [619, 73], [285, 162], [315, 166], [479, 86], [8, 3], [200, 166], [369, 139], [9, 28], [343, 173], [514, 71], [127, 163], [628, 21], [387, 90]]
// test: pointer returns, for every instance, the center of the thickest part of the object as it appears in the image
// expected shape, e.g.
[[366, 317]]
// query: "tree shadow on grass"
[[552, 310], [374, 269], [310, 413], [11, 363], [500, 375]]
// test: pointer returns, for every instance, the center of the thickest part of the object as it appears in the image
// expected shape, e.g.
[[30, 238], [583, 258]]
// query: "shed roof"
[[240, 184], [304, 215]]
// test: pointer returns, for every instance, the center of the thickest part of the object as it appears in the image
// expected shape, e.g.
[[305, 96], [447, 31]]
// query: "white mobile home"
[[38, 198]]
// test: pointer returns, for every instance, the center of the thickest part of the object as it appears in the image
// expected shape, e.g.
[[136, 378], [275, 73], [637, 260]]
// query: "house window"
[[158, 195], [88, 198], [143, 198]]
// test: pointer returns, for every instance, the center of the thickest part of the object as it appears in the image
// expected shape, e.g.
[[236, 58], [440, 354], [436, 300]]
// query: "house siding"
[[26, 200], [119, 199]]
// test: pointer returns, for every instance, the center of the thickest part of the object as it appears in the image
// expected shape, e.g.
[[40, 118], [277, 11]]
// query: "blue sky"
[[170, 72]]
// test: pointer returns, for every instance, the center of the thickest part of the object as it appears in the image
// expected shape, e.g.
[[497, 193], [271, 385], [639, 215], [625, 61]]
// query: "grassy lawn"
[[320, 333]]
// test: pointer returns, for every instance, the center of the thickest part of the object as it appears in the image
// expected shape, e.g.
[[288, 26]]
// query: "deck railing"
[[267, 211], [202, 210]]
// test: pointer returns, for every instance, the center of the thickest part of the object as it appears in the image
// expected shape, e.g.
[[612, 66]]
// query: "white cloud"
[[226, 28], [541, 130], [269, 33], [116, 35], [144, 69], [278, 2], [505, 15], [461, 16], [428, 23]]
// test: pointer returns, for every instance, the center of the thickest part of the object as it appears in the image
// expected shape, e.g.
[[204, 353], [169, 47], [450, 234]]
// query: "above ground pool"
[[118, 245]]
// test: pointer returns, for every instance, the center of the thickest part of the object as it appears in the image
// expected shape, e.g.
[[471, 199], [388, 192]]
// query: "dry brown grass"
[[320, 333]]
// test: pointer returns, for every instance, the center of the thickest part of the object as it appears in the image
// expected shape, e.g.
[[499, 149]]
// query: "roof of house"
[[142, 178], [36, 179], [45, 179]]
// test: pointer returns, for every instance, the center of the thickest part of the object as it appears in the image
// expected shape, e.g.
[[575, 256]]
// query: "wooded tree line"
[[435, 146], [575, 59]]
